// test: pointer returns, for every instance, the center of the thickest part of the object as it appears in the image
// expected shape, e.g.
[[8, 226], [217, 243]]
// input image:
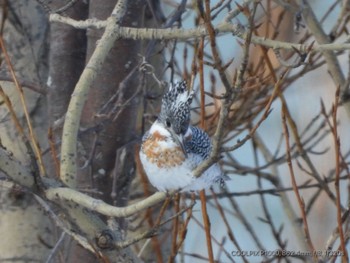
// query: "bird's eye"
[[168, 123]]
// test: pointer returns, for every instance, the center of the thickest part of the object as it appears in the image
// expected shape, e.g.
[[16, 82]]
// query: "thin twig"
[[55, 248], [206, 18], [294, 184], [206, 222], [53, 151], [261, 120], [32, 135], [337, 176], [175, 230], [228, 228], [65, 7]]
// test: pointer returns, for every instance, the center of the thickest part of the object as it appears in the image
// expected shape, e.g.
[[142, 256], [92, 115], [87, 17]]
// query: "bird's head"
[[175, 112]]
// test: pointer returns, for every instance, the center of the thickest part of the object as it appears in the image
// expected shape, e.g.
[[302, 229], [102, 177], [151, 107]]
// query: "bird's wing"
[[199, 143]]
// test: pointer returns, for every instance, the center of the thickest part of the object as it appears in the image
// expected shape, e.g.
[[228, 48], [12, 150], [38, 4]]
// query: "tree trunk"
[[109, 121], [26, 230], [108, 124]]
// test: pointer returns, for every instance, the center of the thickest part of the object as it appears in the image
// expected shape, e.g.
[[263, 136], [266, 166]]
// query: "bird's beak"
[[182, 144], [179, 138]]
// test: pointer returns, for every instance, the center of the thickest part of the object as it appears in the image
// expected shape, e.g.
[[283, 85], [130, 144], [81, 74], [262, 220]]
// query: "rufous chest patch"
[[163, 157]]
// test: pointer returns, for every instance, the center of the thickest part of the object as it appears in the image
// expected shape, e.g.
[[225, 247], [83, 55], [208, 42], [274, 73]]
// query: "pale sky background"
[[303, 99]]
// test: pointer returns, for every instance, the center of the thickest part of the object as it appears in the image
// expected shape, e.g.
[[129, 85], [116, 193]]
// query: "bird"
[[171, 149]]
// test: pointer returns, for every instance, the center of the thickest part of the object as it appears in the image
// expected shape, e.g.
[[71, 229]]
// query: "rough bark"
[[107, 142], [67, 60], [109, 129], [25, 229]]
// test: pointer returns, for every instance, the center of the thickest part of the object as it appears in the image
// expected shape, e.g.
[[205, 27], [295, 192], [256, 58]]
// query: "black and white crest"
[[177, 93], [175, 112]]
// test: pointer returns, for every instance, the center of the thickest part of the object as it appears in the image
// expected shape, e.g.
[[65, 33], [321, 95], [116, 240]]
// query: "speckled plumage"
[[172, 149], [200, 143]]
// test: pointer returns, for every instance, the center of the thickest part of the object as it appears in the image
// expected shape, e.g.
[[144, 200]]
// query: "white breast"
[[176, 177], [173, 178]]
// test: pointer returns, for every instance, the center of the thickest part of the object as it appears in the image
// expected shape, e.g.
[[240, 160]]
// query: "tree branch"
[[196, 33], [71, 125], [61, 193], [15, 170]]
